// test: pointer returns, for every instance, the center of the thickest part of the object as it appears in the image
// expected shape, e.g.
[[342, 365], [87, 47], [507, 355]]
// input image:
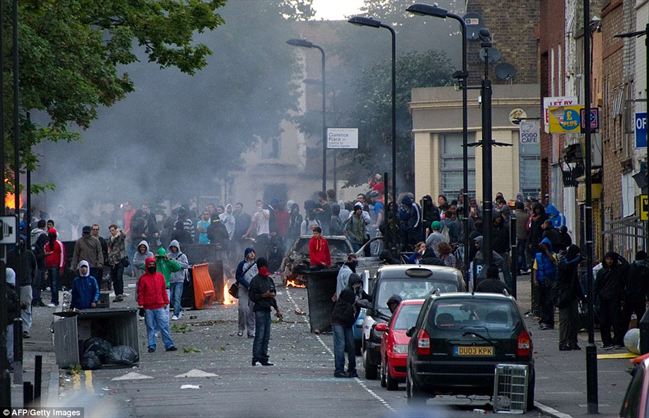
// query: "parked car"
[[296, 260], [635, 404], [410, 282], [394, 343], [458, 341]]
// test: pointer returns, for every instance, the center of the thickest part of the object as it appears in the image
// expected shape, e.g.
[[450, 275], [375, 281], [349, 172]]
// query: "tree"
[[73, 53]]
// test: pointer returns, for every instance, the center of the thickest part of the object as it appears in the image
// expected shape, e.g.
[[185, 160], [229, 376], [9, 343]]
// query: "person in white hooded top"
[[177, 279]]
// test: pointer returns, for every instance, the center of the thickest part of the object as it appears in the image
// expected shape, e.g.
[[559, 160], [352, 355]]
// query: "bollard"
[[18, 351], [28, 394], [38, 377], [644, 333]]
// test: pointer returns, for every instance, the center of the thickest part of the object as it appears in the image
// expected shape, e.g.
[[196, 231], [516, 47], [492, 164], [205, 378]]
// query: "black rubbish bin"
[[321, 286]]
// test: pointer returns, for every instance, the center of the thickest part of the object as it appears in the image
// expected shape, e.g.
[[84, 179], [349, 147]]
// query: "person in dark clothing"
[[500, 237], [336, 226], [492, 283], [536, 231], [393, 303], [553, 235], [217, 233], [39, 239], [609, 286], [180, 234], [545, 276], [422, 254], [390, 230], [262, 292], [24, 264], [343, 317], [564, 238], [430, 213], [568, 293], [636, 286]]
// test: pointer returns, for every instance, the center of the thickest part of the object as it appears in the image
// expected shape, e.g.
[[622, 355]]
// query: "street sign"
[[644, 207], [342, 138], [564, 119], [640, 129], [7, 229], [594, 119], [529, 131], [555, 101]]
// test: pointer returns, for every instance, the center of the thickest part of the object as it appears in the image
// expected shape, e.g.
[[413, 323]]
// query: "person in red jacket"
[[152, 297], [319, 255], [54, 263]]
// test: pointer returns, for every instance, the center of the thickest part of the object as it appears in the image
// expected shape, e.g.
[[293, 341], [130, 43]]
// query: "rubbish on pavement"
[[123, 354]]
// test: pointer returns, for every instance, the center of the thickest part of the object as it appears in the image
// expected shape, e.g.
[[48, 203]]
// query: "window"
[[451, 164], [407, 317]]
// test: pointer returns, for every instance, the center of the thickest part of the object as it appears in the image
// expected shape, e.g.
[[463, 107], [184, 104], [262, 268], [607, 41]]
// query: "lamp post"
[[428, 10], [373, 23], [307, 44], [487, 142]]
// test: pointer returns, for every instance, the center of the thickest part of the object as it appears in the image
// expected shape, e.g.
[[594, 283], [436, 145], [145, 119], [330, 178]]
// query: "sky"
[[336, 9]]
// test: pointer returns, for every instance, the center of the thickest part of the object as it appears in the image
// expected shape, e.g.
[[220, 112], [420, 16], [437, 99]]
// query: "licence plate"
[[474, 351]]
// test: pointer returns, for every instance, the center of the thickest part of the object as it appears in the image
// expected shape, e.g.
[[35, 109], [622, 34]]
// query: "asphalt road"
[[301, 384]]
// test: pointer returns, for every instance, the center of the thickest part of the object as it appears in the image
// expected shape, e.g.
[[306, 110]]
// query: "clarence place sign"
[[342, 138]]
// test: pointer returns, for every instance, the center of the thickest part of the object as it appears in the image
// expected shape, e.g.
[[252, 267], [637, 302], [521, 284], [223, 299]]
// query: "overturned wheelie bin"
[[321, 286]]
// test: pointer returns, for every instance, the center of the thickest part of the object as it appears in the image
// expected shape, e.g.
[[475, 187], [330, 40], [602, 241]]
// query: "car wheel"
[[370, 369], [383, 373], [413, 393], [390, 383], [530, 391]]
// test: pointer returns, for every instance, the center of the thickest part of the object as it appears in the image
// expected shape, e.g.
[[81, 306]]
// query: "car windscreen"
[[337, 247], [462, 314], [410, 288], [407, 317]]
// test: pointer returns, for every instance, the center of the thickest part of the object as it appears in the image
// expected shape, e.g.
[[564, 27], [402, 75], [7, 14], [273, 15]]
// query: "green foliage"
[[73, 53]]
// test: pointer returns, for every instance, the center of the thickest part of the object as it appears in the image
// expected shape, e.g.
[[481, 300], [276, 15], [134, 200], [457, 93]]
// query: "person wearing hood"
[[38, 241], [181, 234], [153, 298], [492, 283], [393, 303], [85, 291], [544, 273], [246, 271], [343, 274], [636, 286], [177, 280], [478, 260], [262, 292], [537, 217], [55, 263], [217, 233], [89, 248], [410, 220], [116, 260], [13, 311], [319, 255], [139, 258], [609, 290], [343, 316], [166, 265], [568, 293], [356, 227]]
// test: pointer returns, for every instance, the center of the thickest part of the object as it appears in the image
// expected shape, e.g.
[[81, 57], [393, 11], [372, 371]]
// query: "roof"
[[442, 272], [412, 302], [469, 295]]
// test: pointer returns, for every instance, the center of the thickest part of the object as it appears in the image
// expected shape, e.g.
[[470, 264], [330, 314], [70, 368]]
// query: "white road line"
[[358, 380], [551, 411]]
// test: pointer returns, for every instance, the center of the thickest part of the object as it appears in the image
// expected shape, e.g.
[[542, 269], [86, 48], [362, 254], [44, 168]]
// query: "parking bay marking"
[[358, 380]]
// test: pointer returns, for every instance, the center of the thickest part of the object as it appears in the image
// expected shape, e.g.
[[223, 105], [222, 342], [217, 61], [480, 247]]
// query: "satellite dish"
[[505, 71], [494, 55]]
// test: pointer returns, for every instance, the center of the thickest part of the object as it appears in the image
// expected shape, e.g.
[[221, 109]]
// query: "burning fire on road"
[[295, 283], [227, 297]]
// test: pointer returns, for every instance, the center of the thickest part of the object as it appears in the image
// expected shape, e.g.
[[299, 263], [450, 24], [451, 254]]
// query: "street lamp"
[[428, 10], [303, 43], [373, 23]]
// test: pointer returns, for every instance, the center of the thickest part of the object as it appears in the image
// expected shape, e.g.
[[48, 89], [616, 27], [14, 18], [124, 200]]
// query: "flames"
[[227, 298], [294, 283]]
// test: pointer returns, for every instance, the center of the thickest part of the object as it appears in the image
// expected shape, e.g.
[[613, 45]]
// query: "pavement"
[[211, 375]]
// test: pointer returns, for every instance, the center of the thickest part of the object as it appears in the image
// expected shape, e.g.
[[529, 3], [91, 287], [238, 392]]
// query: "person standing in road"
[[260, 229], [492, 283], [246, 271], [116, 257], [356, 227], [319, 255], [88, 248], [343, 274], [343, 317], [608, 291], [636, 286], [201, 228], [152, 297], [85, 290], [241, 224], [177, 279], [94, 231], [55, 263], [262, 293], [521, 237], [545, 275], [568, 295]]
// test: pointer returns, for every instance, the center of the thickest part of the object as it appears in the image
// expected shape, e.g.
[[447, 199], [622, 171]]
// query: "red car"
[[394, 343]]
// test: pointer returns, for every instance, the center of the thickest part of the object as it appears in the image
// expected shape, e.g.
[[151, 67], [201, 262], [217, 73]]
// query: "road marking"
[[358, 380], [132, 376], [196, 373], [89, 380], [551, 411]]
